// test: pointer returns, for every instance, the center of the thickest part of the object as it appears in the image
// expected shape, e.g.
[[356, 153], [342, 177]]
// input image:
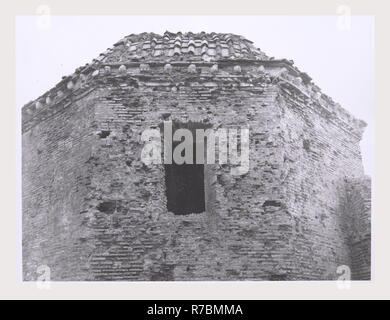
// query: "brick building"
[[93, 211]]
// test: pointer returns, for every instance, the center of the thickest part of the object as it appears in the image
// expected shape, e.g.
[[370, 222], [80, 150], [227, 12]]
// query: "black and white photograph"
[[195, 148]]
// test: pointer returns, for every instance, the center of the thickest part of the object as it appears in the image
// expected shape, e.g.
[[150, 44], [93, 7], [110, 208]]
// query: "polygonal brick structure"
[[92, 210]]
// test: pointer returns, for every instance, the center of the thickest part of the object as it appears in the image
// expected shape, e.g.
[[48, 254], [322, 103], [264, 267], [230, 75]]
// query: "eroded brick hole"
[[107, 207]]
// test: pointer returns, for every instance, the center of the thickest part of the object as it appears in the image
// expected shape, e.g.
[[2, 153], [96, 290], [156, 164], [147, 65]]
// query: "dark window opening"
[[185, 186]]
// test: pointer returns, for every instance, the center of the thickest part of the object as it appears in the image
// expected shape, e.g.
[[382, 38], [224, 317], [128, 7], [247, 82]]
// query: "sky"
[[337, 52]]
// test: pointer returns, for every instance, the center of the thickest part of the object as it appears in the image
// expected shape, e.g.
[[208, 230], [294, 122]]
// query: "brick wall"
[[56, 172], [319, 153], [92, 210], [358, 205], [140, 239]]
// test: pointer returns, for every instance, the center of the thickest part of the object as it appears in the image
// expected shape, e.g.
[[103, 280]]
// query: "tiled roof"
[[141, 54], [183, 47]]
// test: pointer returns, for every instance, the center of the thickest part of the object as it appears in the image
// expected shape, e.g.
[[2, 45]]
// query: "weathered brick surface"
[[92, 210], [319, 153], [358, 205], [56, 179]]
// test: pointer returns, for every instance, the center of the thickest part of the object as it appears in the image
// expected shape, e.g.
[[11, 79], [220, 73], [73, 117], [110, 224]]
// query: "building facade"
[[92, 210]]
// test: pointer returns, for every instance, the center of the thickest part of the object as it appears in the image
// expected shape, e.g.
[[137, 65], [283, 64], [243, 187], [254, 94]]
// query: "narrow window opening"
[[185, 186], [188, 185]]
